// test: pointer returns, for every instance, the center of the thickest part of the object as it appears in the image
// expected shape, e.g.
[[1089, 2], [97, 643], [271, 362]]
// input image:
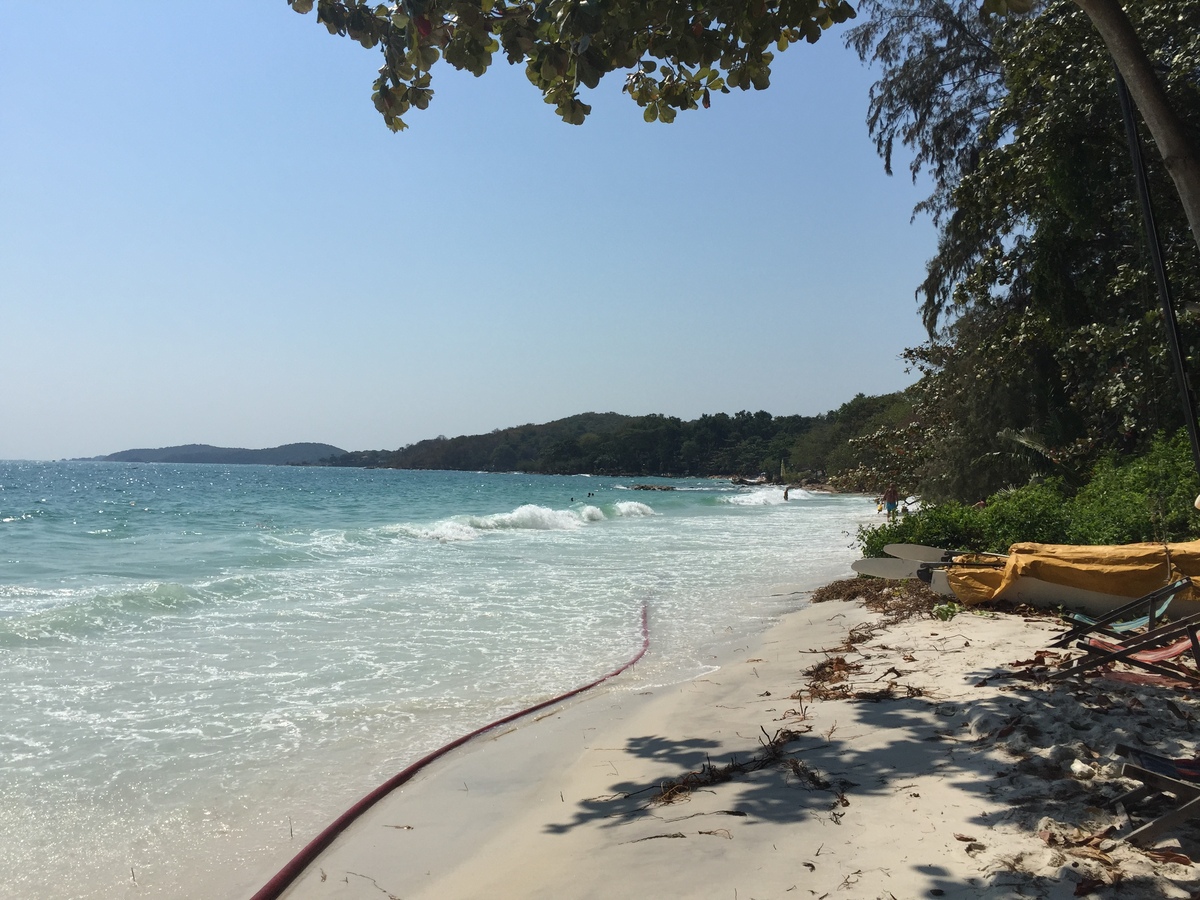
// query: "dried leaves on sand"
[[897, 600]]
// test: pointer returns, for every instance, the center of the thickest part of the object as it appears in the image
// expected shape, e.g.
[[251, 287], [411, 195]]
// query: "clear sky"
[[208, 235]]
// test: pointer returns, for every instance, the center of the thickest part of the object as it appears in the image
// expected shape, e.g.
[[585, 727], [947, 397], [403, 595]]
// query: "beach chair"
[[1147, 651], [1146, 611], [1160, 775]]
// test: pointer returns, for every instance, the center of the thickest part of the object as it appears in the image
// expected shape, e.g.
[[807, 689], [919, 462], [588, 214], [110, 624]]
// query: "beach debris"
[[1082, 770], [829, 682], [719, 832], [832, 669], [771, 753], [860, 634], [1084, 845], [1177, 712], [802, 771], [908, 598], [891, 671], [1041, 659], [1168, 856], [800, 712], [380, 888], [887, 693], [715, 812], [655, 837]]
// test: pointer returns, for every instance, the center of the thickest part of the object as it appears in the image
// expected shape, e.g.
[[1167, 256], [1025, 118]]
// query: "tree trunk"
[[1178, 152]]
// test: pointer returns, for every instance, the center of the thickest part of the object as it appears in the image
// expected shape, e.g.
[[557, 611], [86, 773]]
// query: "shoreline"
[[899, 766]]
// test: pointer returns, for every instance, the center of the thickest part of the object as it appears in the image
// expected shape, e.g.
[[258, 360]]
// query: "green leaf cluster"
[[677, 55]]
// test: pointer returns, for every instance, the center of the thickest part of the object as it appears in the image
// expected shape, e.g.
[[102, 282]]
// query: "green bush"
[[1127, 500], [1144, 499], [952, 526], [1037, 512]]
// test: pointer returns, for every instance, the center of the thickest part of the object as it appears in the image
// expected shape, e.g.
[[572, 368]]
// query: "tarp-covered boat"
[[1093, 578]]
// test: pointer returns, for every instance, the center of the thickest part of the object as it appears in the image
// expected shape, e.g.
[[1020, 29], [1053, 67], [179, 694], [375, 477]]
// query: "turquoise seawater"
[[203, 665]]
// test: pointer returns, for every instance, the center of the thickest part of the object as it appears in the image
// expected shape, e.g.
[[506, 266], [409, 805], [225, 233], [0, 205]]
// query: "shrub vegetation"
[[1127, 500]]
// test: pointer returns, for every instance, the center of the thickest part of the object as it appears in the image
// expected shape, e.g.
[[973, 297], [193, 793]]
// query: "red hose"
[[302, 860]]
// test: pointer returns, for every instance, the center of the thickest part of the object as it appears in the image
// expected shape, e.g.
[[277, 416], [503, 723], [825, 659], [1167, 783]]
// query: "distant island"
[[286, 455]]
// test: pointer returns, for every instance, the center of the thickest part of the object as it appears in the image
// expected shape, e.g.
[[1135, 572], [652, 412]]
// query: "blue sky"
[[209, 236]]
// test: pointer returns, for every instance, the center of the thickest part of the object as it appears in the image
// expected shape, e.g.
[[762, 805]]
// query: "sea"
[[201, 666]]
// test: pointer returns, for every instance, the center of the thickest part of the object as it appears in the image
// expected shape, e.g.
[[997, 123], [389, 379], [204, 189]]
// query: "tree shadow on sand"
[[1037, 755]]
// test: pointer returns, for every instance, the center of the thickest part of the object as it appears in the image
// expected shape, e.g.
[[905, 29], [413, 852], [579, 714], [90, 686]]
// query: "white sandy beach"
[[939, 779]]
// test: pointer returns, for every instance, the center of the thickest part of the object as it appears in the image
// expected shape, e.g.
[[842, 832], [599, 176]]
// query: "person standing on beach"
[[890, 498]]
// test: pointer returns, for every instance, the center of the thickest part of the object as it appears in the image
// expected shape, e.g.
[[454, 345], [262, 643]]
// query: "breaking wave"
[[529, 517]]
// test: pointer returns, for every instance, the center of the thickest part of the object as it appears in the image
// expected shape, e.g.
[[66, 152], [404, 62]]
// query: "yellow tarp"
[[1126, 570], [978, 579]]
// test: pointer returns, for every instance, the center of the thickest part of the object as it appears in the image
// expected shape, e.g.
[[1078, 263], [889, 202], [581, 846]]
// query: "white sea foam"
[[632, 509], [802, 494], [765, 496], [446, 531], [529, 516], [199, 680]]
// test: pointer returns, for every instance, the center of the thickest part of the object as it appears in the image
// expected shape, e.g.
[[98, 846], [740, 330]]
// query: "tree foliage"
[[676, 55], [940, 80], [1048, 217], [787, 448], [1046, 346]]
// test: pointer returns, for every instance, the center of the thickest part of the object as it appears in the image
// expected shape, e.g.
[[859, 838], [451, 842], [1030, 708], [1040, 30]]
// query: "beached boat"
[[1094, 579]]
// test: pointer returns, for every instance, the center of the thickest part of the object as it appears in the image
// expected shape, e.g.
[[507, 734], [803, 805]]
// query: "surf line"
[[289, 873]]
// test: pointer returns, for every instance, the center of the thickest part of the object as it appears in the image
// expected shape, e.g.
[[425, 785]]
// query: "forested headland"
[[785, 448]]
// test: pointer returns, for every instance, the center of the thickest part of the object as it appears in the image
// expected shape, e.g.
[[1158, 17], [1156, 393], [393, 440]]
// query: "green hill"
[[784, 447]]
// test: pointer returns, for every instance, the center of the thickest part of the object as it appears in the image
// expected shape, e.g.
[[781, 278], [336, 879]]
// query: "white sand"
[[958, 790]]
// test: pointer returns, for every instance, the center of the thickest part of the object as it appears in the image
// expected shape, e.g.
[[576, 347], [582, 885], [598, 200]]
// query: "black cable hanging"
[[1187, 395]]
